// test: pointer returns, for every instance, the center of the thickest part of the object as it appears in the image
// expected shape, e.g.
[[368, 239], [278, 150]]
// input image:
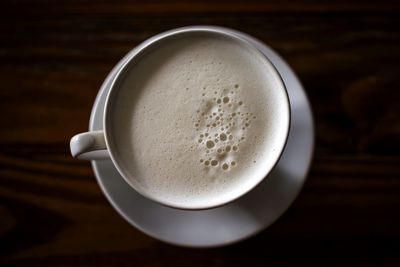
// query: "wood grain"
[[149, 7], [54, 57]]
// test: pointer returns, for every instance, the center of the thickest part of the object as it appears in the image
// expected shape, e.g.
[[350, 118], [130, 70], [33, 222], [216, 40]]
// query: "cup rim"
[[147, 44]]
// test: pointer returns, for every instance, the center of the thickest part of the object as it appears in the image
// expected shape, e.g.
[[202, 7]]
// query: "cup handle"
[[89, 146]]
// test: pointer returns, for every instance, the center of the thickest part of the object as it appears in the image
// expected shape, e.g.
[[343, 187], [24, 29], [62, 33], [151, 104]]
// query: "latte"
[[198, 118]]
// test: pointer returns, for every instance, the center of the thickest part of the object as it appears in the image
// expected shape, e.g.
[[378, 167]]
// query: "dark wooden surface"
[[54, 55]]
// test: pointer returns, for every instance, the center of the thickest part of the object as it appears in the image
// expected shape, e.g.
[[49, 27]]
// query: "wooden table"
[[55, 55]]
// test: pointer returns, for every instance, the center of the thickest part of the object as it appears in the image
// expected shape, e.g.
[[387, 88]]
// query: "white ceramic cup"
[[95, 145]]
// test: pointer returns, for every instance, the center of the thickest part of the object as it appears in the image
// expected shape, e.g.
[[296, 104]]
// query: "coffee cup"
[[195, 118]]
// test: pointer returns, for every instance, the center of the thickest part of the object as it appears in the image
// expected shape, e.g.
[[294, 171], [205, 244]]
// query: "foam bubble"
[[214, 162], [225, 166], [210, 144], [222, 137]]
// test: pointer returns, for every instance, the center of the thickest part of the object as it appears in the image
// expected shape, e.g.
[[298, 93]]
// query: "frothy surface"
[[198, 120]]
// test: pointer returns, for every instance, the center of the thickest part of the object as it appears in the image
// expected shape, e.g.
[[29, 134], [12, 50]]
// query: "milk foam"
[[198, 120]]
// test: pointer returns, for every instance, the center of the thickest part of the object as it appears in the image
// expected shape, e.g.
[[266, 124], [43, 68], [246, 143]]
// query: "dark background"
[[54, 56]]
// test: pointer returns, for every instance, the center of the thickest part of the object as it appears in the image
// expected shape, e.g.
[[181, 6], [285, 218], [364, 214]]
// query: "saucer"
[[233, 222]]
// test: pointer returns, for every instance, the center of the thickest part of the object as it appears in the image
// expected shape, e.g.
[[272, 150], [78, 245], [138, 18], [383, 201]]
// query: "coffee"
[[198, 118]]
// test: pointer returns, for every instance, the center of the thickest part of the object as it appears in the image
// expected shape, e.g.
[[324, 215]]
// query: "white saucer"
[[233, 222]]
